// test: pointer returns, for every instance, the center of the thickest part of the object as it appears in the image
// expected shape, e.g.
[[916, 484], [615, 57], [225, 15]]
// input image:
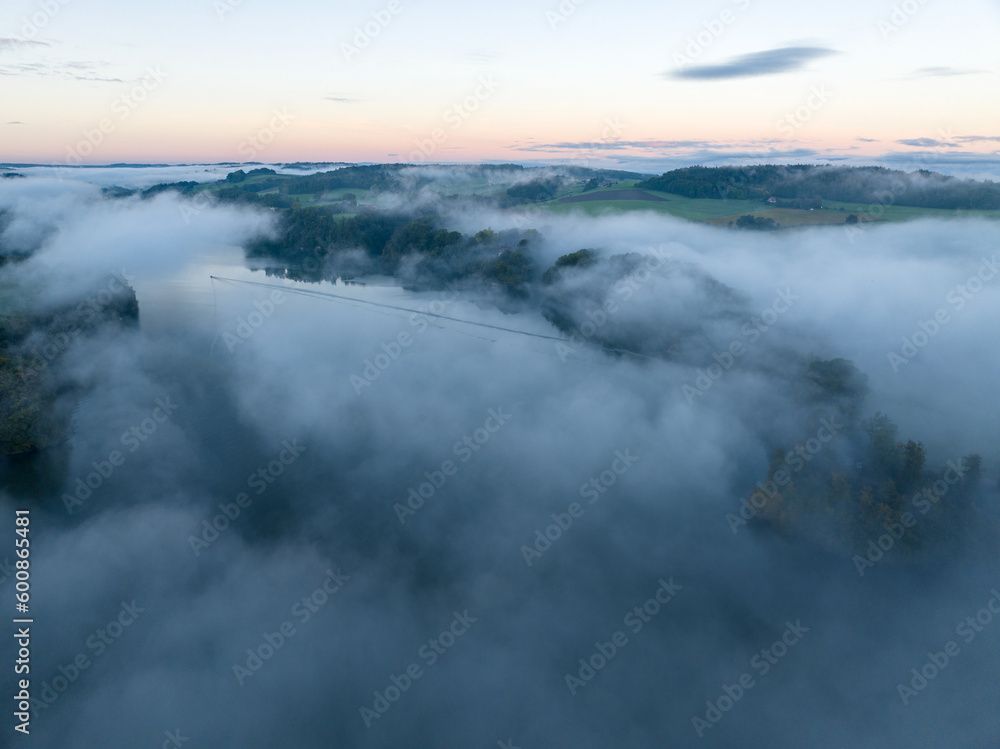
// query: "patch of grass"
[[692, 209], [904, 212]]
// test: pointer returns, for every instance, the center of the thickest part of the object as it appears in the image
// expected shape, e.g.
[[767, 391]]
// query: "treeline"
[[756, 223], [374, 177], [308, 237], [265, 187], [869, 185], [535, 191], [316, 232]]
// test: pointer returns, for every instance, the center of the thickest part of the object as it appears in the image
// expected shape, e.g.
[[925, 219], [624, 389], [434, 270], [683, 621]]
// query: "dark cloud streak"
[[769, 62]]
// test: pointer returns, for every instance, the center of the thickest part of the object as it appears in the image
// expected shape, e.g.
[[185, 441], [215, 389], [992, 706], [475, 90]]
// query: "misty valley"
[[618, 458]]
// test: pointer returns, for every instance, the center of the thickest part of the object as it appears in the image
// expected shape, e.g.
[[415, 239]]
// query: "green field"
[[675, 205], [306, 199], [907, 213]]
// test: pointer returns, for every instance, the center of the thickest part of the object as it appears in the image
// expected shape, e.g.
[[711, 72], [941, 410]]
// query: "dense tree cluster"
[[360, 177], [317, 231], [579, 259], [757, 223], [869, 483], [512, 269], [184, 188], [307, 237], [801, 204], [536, 191]]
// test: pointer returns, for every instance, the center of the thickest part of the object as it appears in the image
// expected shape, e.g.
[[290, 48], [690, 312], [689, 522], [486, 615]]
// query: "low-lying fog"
[[312, 419]]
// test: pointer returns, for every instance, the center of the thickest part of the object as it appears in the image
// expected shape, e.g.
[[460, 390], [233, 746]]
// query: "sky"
[[635, 84]]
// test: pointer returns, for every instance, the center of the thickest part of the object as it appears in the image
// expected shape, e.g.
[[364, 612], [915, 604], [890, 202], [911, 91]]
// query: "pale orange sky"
[[201, 80]]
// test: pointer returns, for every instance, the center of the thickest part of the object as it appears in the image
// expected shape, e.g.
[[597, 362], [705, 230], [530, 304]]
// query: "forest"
[[869, 184]]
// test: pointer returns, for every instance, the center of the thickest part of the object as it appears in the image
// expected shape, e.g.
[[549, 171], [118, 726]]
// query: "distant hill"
[[869, 184], [265, 187]]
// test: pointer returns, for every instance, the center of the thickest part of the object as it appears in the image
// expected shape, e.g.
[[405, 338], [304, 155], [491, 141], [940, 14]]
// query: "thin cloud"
[[615, 145], [648, 145], [761, 156], [977, 138], [341, 99], [952, 142], [943, 72], [768, 62], [73, 71], [958, 163], [926, 143], [14, 43], [481, 56]]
